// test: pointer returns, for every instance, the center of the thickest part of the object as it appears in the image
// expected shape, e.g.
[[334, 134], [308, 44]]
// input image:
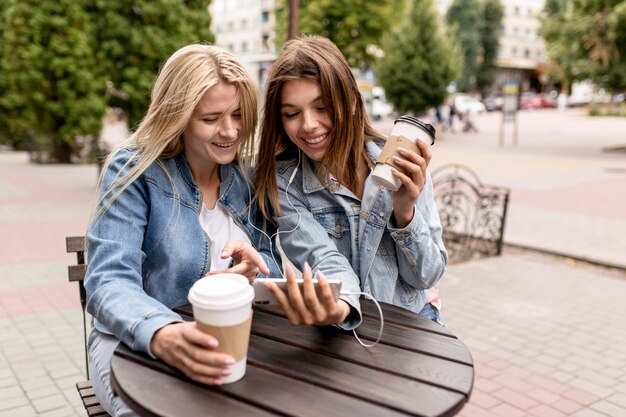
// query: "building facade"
[[522, 55], [246, 28]]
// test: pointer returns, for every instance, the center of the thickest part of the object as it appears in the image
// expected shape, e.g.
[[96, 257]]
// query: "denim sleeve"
[[115, 294], [303, 239], [422, 257]]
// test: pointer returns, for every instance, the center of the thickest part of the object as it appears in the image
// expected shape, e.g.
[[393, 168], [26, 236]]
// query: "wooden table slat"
[[419, 341], [441, 372], [400, 393], [151, 384], [400, 316]]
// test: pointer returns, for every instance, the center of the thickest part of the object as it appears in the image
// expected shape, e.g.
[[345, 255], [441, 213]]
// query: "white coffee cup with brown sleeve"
[[406, 130], [222, 307]]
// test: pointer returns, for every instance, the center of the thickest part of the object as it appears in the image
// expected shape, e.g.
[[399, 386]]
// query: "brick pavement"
[[41, 354], [546, 333]]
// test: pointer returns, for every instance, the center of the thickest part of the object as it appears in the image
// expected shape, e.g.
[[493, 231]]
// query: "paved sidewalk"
[[547, 333], [41, 353], [568, 195]]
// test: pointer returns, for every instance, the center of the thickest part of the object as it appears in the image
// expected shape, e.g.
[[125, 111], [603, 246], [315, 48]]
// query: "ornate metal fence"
[[472, 214]]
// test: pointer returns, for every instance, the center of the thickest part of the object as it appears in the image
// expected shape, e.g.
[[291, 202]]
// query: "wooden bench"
[[472, 214], [76, 273]]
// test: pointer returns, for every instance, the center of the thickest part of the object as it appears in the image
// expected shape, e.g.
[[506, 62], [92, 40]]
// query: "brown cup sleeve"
[[389, 150], [233, 340]]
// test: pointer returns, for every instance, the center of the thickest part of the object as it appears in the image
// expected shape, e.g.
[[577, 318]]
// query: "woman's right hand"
[[303, 307], [185, 347]]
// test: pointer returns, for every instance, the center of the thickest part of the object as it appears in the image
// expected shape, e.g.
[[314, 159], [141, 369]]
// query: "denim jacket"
[[148, 247], [348, 239]]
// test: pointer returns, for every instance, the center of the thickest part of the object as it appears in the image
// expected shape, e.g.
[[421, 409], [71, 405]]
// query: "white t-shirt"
[[220, 228]]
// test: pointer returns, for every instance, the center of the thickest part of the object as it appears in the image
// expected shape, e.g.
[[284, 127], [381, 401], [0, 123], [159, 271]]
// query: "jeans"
[[432, 313], [101, 347]]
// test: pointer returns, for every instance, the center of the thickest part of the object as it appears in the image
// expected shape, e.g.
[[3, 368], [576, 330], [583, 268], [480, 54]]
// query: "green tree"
[[465, 19], [490, 31], [586, 39], [51, 94], [134, 39], [420, 60], [355, 26]]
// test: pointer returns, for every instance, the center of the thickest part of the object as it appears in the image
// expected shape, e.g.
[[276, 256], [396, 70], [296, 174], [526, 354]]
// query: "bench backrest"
[[472, 214], [76, 273]]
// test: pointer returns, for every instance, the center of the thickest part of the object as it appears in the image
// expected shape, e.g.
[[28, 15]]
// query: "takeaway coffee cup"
[[406, 130], [222, 307]]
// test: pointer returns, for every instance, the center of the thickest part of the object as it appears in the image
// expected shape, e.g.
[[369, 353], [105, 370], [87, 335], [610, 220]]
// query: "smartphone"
[[263, 296]]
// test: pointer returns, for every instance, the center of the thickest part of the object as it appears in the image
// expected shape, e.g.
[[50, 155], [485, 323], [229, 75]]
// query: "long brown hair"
[[318, 59]]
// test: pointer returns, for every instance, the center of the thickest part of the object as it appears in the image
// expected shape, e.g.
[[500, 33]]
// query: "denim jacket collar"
[[311, 182]]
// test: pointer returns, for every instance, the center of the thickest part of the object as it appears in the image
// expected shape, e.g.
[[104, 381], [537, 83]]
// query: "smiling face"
[[214, 130], [304, 117]]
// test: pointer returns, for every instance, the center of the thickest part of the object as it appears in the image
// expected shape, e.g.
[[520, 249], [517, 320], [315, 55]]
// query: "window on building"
[[515, 31], [244, 46], [244, 23], [265, 42], [515, 11], [514, 51], [526, 53], [230, 26], [231, 47], [265, 17]]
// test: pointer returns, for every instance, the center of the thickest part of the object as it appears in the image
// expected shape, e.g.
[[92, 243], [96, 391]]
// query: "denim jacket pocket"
[[336, 224]]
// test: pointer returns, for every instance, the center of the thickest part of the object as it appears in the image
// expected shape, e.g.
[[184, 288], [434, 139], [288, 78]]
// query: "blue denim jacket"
[[346, 238], [148, 247]]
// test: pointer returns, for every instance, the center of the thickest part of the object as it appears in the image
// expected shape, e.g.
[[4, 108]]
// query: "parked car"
[[532, 100], [465, 103], [493, 102], [381, 108], [529, 100], [549, 100]]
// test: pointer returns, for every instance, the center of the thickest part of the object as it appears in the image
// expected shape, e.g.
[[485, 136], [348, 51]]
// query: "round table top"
[[417, 369]]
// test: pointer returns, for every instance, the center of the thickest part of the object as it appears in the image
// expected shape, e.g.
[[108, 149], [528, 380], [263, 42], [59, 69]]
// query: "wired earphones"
[[279, 232]]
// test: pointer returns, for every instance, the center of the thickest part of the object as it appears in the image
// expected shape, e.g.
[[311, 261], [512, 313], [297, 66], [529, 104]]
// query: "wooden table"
[[418, 369]]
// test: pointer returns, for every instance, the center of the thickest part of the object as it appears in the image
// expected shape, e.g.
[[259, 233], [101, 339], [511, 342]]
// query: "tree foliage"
[[477, 25], [490, 31], [50, 91], [586, 39], [465, 18], [135, 38], [62, 62], [355, 26], [420, 60]]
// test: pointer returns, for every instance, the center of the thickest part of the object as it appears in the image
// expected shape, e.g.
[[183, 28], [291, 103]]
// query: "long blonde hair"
[[180, 85], [318, 59]]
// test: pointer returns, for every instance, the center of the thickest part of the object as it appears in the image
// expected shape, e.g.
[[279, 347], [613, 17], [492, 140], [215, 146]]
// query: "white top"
[[220, 228]]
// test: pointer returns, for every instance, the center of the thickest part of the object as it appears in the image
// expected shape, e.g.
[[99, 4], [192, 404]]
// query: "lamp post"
[[294, 6]]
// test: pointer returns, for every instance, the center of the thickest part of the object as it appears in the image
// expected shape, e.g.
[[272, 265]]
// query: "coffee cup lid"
[[417, 122], [221, 292]]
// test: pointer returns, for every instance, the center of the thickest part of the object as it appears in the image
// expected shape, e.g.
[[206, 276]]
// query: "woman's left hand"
[[304, 307], [247, 261], [413, 182]]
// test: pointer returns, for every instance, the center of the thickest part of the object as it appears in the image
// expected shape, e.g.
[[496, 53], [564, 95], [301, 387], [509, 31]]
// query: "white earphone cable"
[[380, 312], [279, 232]]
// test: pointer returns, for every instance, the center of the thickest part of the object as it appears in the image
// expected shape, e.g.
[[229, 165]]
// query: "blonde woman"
[[174, 205], [316, 151]]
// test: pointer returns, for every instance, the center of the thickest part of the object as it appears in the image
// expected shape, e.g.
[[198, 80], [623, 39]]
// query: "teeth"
[[224, 145], [318, 139]]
